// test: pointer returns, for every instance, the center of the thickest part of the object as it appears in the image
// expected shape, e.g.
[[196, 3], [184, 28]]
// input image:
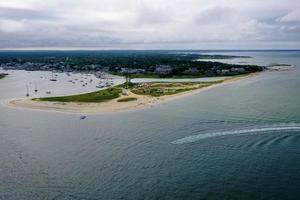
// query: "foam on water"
[[194, 138]]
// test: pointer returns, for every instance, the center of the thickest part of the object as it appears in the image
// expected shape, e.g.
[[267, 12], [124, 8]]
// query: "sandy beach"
[[114, 105]]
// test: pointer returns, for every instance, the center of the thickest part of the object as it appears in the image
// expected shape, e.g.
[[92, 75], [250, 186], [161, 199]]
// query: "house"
[[225, 71], [124, 92], [163, 69], [191, 70], [132, 71], [237, 69]]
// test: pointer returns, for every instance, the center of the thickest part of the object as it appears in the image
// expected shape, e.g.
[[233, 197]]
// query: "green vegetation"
[[278, 64], [78, 60], [3, 75], [145, 75], [93, 97], [140, 64], [150, 89], [215, 57], [154, 75], [127, 99], [162, 89]]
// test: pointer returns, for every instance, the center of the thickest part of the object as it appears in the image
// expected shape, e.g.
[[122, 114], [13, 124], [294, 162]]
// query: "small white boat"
[[101, 85]]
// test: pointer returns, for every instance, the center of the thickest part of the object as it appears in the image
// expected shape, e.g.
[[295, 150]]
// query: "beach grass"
[[127, 99], [92, 97], [162, 89], [156, 89]]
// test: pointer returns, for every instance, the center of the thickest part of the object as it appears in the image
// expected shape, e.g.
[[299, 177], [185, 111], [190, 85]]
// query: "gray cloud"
[[25, 14], [148, 15], [217, 15], [149, 24], [293, 16]]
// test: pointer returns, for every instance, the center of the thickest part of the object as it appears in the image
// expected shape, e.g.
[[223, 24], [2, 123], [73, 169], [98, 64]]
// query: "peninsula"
[[123, 97], [130, 64]]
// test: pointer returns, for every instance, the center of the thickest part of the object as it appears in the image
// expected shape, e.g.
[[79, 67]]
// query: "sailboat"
[[35, 87], [52, 77], [27, 91]]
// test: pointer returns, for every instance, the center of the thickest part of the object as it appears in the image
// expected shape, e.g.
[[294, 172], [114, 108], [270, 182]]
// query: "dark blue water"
[[237, 141]]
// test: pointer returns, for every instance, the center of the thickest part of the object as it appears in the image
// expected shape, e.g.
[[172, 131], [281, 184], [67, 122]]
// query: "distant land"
[[2, 75], [129, 64], [136, 64]]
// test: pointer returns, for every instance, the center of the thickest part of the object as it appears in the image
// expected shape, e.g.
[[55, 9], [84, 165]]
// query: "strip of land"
[[114, 99], [2, 75]]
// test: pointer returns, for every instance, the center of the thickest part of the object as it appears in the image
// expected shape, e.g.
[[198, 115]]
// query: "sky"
[[149, 24]]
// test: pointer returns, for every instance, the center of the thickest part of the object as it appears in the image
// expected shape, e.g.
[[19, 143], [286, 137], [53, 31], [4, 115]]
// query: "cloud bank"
[[149, 24]]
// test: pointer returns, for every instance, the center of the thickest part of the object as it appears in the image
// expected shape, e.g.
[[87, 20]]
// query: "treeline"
[[115, 60]]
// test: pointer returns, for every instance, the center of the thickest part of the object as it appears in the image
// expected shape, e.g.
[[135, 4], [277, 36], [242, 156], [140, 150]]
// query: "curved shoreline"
[[113, 105]]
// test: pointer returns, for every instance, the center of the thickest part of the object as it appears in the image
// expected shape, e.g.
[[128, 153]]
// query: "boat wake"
[[194, 138]]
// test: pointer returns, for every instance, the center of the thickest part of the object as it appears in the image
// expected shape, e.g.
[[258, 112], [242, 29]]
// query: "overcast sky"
[[149, 24]]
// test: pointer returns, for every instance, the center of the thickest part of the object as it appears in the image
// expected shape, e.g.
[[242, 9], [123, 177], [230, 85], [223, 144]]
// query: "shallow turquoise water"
[[251, 152]]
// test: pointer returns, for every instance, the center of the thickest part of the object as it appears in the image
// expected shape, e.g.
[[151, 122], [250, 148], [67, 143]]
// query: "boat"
[[52, 77], [35, 87], [48, 92], [27, 91], [82, 117], [100, 86]]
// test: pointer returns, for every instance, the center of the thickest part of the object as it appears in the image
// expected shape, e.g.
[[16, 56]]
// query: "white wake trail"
[[194, 138]]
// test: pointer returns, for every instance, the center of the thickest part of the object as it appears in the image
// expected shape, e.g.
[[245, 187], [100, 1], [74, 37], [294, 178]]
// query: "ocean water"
[[237, 141]]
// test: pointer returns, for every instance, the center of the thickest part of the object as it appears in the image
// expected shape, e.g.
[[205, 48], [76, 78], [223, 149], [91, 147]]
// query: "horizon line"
[[133, 49]]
